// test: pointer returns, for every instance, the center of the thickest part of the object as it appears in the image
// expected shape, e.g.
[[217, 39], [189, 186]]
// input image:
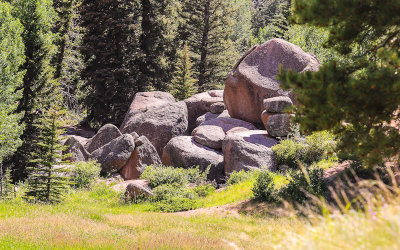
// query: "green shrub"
[[204, 190], [241, 176], [160, 175], [102, 192], [85, 173], [303, 182], [173, 198], [264, 188], [314, 148]]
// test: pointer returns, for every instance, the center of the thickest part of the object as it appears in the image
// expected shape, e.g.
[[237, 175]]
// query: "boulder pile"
[[224, 130]]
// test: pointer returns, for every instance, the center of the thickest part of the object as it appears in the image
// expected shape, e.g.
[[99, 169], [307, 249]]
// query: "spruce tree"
[[358, 100], [109, 46], [11, 76], [6, 185], [208, 25], [47, 181], [38, 86], [183, 84]]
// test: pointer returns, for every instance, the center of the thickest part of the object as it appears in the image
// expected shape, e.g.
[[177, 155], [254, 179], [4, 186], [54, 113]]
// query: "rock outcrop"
[[199, 104], [114, 155], [210, 136], [209, 116], [185, 152], [228, 123], [246, 150], [76, 150], [159, 121], [253, 78], [144, 155], [106, 134]]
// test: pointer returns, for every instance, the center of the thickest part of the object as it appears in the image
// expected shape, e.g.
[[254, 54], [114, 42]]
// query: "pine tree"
[[47, 181], [6, 185], [358, 100], [11, 76], [39, 87], [183, 84], [208, 25], [109, 46]]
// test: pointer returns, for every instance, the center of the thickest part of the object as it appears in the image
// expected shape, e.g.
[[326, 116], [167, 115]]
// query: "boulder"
[[229, 123], [185, 152], [210, 136], [206, 103], [209, 116], [195, 109], [217, 108], [277, 104], [134, 189], [159, 124], [247, 150], [253, 78], [143, 102], [114, 155], [278, 125], [144, 155], [106, 134], [76, 149]]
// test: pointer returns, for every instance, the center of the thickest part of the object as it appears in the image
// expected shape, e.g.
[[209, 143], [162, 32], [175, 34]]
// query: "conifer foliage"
[[38, 86], [47, 181], [109, 47], [11, 76], [183, 84], [358, 100]]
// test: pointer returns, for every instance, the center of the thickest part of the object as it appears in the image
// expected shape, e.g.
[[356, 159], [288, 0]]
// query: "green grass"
[[97, 219]]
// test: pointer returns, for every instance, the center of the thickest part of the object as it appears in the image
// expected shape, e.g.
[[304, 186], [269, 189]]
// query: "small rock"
[[277, 104], [134, 189], [216, 93], [106, 134], [114, 155], [278, 125], [210, 136], [217, 108]]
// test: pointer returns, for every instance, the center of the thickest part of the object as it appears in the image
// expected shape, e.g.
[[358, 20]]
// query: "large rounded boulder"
[[200, 104], [253, 78], [185, 152], [114, 155], [106, 134], [159, 120], [144, 155], [247, 150]]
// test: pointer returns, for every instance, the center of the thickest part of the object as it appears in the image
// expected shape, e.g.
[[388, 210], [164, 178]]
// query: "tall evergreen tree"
[[11, 76], [37, 17], [208, 26], [183, 84], [109, 47], [358, 100], [68, 60], [47, 180]]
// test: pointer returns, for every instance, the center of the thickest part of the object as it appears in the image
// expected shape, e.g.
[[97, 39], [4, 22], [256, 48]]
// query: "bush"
[[172, 192], [314, 148], [264, 188], [173, 198], [85, 173], [241, 176], [301, 183], [160, 175]]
